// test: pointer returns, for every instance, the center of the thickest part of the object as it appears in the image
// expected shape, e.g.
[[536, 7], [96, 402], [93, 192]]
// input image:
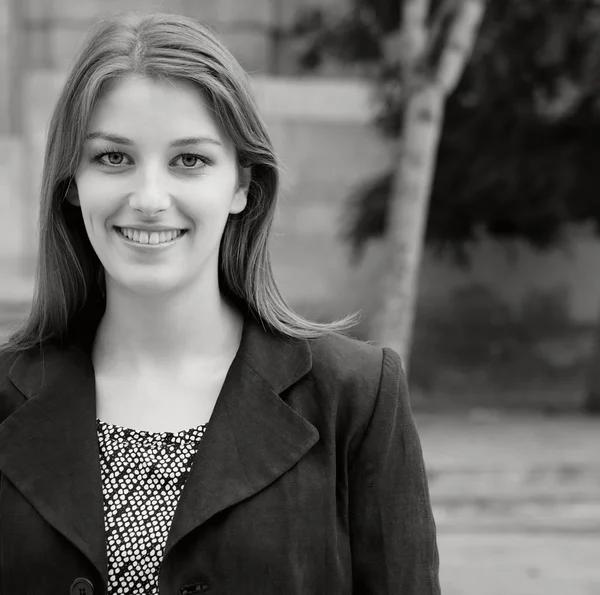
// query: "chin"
[[147, 285], [151, 288]]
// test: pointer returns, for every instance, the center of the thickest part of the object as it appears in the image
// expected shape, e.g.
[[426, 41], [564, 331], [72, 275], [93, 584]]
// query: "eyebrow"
[[180, 142]]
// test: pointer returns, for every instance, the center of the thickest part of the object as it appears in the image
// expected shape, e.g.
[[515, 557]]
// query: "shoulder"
[[352, 381], [343, 356], [7, 360], [354, 366], [10, 398]]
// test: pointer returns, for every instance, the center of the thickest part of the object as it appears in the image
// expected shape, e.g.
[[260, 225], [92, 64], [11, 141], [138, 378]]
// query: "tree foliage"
[[519, 157]]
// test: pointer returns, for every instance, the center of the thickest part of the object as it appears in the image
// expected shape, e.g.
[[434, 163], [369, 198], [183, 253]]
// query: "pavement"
[[516, 500], [516, 495], [520, 564], [503, 471]]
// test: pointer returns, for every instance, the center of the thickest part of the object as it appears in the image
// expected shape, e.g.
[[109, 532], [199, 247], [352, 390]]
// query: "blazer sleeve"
[[392, 529]]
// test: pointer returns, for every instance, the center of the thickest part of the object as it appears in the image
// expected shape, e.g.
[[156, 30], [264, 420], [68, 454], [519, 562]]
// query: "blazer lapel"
[[49, 448], [253, 436]]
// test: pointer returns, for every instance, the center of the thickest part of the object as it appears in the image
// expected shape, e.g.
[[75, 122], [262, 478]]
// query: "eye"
[[190, 160], [98, 157]]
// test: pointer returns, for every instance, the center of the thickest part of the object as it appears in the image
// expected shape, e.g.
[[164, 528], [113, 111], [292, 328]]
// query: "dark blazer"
[[309, 478]]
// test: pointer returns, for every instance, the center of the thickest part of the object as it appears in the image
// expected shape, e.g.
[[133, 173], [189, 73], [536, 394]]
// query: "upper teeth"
[[150, 237]]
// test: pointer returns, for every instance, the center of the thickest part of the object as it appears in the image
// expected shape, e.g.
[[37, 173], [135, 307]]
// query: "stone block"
[[145, 6], [314, 99], [286, 12], [251, 48], [37, 49], [75, 10], [6, 67], [36, 10], [64, 43], [252, 13], [41, 89], [205, 11], [13, 211]]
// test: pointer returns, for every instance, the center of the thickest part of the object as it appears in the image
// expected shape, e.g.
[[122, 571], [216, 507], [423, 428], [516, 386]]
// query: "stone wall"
[[5, 67], [14, 214], [54, 29]]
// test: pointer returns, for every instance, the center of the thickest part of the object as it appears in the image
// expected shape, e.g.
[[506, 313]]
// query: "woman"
[[169, 425]]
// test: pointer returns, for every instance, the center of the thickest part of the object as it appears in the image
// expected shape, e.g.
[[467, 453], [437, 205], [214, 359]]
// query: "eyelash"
[[98, 158]]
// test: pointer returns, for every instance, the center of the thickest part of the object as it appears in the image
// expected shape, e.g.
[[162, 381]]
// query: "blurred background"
[[448, 156]]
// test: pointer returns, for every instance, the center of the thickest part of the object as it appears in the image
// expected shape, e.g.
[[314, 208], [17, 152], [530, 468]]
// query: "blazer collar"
[[49, 448]]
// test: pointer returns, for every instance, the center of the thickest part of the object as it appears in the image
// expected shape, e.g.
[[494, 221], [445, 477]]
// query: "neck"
[[143, 332]]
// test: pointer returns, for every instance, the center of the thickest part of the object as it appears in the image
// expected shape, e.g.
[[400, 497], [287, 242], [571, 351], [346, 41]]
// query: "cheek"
[[208, 206], [93, 216], [96, 204]]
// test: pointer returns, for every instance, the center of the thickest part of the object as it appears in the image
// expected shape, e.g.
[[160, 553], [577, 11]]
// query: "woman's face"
[[156, 184]]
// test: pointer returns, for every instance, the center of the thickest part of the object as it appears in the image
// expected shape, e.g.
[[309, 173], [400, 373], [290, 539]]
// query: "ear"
[[239, 201], [240, 198], [72, 194]]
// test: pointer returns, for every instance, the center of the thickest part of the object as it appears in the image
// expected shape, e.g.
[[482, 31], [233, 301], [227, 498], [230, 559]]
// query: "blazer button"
[[81, 586], [194, 589]]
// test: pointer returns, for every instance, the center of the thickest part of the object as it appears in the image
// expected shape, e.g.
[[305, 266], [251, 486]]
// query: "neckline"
[[135, 432]]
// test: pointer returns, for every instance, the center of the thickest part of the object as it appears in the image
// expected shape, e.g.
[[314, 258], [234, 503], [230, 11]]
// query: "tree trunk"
[[407, 219], [423, 120], [592, 401]]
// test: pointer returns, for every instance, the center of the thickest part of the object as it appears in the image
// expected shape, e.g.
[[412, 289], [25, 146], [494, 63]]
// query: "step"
[[566, 517]]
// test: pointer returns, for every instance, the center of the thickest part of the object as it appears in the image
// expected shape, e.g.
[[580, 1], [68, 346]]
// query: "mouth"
[[150, 238]]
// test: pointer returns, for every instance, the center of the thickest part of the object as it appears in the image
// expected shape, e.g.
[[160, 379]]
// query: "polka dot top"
[[143, 474]]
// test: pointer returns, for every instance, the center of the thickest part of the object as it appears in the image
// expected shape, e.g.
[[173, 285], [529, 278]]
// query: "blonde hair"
[[70, 285]]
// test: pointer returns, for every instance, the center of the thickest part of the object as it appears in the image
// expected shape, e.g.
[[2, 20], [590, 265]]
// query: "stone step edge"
[[591, 527]]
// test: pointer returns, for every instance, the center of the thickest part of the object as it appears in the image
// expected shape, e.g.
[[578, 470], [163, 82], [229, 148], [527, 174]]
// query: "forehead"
[[138, 106]]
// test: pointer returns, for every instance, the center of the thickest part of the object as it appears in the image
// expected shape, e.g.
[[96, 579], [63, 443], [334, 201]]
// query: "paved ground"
[[527, 470], [519, 564], [517, 502]]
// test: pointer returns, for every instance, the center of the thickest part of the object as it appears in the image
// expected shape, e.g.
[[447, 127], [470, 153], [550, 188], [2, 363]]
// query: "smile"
[[149, 237]]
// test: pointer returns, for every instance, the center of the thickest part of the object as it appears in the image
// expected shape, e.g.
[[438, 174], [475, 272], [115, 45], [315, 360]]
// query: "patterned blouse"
[[143, 474]]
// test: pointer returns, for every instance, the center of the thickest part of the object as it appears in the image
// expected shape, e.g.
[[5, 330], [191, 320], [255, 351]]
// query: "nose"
[[151, 197]]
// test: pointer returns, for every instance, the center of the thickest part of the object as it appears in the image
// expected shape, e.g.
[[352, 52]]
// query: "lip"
[[150, 228], [139, 246]]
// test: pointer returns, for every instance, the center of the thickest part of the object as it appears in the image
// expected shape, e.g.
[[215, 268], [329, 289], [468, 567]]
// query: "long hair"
[[69, 285]]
